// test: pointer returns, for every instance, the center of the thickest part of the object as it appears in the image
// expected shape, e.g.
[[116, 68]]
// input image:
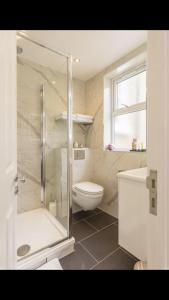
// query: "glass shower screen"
[[44, 145]]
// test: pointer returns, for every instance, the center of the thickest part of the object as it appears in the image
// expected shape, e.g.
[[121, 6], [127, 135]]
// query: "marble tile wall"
[[88, 98], [28, 136], [30, 77], [106, 164]]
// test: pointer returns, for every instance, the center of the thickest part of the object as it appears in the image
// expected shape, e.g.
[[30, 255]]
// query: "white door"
[[8, 158], [158, 145]]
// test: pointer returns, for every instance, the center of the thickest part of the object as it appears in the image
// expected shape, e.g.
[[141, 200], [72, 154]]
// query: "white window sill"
[[125, 150]]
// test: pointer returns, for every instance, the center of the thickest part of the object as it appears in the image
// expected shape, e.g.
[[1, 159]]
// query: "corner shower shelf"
[[81, 120], [77, 118]]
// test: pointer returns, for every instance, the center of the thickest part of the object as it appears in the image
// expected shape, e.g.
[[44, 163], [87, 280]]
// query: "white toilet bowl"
[[87, 195]]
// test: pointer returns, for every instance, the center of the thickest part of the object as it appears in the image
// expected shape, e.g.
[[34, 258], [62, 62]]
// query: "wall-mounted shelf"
[[77, 118]]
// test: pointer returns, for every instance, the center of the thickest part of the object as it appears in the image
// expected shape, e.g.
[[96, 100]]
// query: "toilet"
[[87, 195]]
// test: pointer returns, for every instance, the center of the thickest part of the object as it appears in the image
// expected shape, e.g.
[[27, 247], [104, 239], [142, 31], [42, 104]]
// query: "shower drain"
[[23, 250]]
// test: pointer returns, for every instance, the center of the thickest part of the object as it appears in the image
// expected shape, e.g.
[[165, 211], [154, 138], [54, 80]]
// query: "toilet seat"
[[88, 188]]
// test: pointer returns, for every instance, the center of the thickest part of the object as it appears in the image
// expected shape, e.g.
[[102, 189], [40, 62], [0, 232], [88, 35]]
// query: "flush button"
[[79, 154]]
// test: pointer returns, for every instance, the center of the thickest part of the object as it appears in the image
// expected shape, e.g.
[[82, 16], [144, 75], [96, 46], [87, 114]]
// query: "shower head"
[[19, 50]]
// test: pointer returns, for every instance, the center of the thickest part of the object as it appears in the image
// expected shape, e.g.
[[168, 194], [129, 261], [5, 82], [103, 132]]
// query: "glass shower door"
[[56, 145], [44, 147]]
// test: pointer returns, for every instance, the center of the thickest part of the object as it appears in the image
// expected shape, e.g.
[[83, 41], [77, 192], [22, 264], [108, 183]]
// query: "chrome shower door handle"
[[22, 179]]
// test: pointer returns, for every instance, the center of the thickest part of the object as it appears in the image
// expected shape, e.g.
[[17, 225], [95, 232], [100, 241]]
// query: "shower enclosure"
[[44, 91]]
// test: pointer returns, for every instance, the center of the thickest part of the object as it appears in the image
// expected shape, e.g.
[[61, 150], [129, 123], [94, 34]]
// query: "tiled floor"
[[96, 246]]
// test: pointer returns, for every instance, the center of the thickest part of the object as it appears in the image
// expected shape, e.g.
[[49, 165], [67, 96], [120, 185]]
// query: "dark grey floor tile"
[[80, 215], [81, 230], [78, 260], [103, 242], [116, 223], [101, 220], [117, 261]]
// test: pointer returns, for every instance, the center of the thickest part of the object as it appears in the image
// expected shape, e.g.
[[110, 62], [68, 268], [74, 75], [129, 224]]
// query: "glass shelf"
[[77, 118]]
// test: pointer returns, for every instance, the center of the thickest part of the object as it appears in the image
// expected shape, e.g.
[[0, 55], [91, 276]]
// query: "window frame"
[[125, 110]]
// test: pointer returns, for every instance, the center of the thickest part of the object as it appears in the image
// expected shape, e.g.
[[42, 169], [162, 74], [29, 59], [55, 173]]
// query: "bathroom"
[[81, 186]]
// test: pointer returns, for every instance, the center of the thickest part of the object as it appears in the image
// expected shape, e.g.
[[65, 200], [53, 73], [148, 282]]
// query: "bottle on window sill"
[[134, 144]]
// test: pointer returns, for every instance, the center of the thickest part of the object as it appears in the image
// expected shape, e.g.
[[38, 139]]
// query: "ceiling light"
[[53, 82], [77, 60]]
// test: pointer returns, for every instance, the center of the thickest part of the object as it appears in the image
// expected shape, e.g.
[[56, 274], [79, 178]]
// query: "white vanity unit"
[[133, 211]]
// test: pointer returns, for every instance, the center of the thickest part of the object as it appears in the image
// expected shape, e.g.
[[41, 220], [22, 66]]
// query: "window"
[[129, 110]]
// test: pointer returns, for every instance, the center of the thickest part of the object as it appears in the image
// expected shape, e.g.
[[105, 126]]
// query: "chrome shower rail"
[[43, 139], [70, 141]]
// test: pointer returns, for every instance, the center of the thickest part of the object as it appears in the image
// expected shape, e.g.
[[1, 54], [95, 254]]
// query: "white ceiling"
[[96, 49]]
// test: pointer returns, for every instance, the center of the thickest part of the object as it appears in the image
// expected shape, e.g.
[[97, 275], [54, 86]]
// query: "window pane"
[[129, 126], [131, 90]]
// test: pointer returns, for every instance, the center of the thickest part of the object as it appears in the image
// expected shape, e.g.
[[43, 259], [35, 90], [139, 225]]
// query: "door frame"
[[8, 151], [158, 145]]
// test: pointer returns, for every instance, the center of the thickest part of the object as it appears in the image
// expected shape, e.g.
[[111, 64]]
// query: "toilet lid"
[[88, 187]]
